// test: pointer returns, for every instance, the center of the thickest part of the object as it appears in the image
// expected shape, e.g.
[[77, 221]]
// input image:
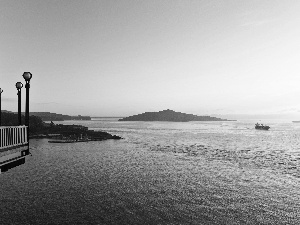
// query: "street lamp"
[[0, 105], [19, 85], [27, 76]]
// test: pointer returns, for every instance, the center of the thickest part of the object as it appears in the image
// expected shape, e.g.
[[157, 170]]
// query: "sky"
[[119, 58]]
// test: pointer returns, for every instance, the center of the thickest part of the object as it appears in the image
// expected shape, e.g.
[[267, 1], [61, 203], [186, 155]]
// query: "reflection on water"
[[161, 173]]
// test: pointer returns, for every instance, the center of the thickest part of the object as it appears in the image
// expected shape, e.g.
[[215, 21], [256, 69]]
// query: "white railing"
[[13, 136]]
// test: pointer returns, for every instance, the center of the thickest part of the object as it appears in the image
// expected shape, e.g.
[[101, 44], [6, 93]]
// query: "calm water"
[[161, 173]]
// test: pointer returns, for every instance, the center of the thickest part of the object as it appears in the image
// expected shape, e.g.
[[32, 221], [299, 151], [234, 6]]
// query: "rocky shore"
[[71, 132], [40, 129]]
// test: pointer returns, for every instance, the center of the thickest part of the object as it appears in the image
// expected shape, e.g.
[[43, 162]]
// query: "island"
[[170, 115], [40, 129]]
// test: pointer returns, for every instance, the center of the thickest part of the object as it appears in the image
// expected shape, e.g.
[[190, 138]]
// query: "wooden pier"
[[14, 146]]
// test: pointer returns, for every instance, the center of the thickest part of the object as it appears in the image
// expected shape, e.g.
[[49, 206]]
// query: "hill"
[[170, 115], [48, 116]]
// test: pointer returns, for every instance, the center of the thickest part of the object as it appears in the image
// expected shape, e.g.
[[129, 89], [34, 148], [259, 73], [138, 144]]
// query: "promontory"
[[170, 115]]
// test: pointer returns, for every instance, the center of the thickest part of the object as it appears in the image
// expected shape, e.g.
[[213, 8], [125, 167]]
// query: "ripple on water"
[[201, 173]]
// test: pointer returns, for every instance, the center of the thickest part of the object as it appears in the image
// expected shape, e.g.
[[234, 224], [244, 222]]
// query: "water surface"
[[160, 173]]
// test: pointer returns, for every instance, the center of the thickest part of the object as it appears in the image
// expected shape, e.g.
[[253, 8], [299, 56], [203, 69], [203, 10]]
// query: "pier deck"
[[14, 146]]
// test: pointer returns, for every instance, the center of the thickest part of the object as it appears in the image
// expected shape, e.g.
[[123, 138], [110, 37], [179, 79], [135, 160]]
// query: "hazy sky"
[[110, 58]]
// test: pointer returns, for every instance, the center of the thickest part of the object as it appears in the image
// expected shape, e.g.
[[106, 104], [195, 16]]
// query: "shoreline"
[[75, 133]]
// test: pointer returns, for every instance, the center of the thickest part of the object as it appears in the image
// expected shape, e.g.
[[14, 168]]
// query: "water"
[[160, 173]]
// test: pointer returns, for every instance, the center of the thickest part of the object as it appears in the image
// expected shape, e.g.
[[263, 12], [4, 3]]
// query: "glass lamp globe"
[[27, 76], [1, 90], [19, 85]]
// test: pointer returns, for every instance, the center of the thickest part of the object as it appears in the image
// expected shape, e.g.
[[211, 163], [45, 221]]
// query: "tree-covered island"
[[170, 115]]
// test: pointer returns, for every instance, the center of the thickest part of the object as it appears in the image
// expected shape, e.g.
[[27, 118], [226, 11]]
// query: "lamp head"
[[1, 90], [19, 85], [27, 76]]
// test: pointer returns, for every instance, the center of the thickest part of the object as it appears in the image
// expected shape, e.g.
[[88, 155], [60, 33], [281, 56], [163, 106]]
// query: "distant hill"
[[48, 116], [170, 115]]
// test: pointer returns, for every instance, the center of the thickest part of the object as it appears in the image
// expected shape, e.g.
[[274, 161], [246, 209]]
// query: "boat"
[[69, 140], [62, 141], [83, 140], [261, 127]]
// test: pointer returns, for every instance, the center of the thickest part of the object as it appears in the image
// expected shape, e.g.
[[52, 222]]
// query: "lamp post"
[[19, 85], [0, 105], [27, 76]]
